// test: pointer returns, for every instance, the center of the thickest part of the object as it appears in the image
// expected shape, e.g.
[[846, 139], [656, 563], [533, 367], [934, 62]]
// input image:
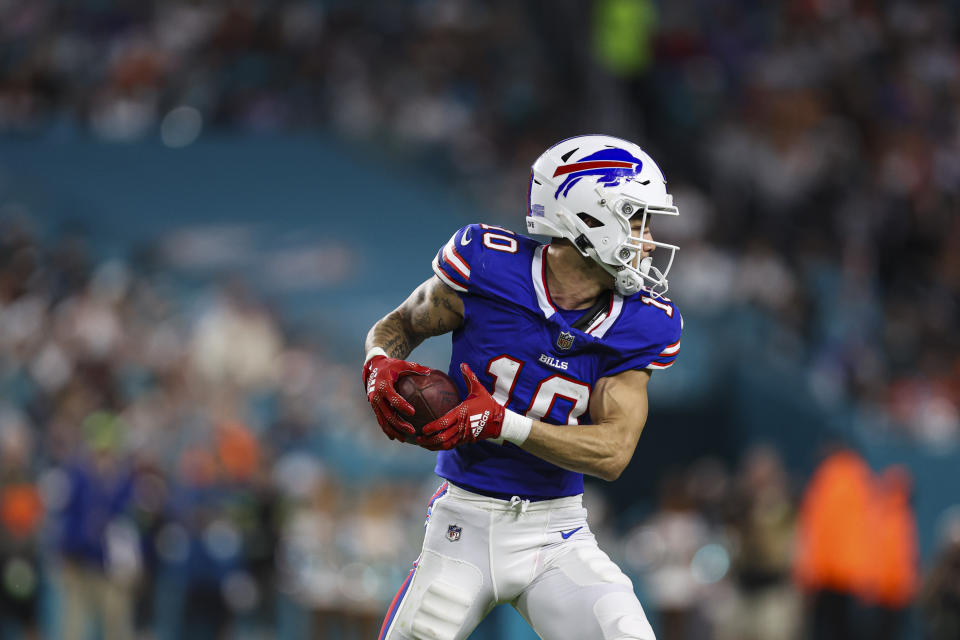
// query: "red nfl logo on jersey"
[[564, 340], [453, 533]]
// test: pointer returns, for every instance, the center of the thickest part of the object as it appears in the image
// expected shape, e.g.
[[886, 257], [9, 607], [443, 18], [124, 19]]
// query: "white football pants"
[[540, 557]]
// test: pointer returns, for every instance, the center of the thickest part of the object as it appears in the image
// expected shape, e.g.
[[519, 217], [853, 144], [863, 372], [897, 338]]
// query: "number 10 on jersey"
[[505, 372]]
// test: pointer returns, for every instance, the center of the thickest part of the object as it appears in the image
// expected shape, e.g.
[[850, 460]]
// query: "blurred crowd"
[[167, 456], [178, 464], [752, 555], [813, 146]]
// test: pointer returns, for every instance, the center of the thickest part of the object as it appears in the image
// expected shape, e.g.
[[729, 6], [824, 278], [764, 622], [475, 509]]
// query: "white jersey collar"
[[538, 274]]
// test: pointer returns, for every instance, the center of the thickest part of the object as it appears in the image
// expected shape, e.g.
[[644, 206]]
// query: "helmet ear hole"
[[589, 220]]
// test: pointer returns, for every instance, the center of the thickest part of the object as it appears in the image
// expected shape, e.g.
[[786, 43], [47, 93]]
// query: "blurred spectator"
[[150, 498], [667, 544], [203, 547], [894, 562], [236, 342], [940, 597], [833, 551], [21, 513], [623, 39], [765, 605], [100, 546]]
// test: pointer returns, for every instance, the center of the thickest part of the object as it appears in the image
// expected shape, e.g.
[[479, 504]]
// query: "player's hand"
[[380, 373], [478, 417]]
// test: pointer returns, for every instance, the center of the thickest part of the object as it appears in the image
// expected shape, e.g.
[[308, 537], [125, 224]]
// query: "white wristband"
[[516, 428], [375, 351]]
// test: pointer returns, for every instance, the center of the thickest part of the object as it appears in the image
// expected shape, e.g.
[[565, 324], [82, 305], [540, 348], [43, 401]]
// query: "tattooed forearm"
[[433, 309]]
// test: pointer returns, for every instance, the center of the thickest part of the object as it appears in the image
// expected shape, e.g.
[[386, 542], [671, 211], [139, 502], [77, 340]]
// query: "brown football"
[[431, 395]]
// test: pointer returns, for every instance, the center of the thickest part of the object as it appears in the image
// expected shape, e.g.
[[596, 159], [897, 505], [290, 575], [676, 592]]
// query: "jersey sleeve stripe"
[[659, 365], [447, 280], [455, 260], [671, 350], [460, 258], [451, 273], [665, 359]]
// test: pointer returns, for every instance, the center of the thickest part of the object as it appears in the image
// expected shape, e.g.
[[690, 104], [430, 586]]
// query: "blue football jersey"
[[524, 351]]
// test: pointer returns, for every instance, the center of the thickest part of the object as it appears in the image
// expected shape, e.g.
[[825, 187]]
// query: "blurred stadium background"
[[204, 206]]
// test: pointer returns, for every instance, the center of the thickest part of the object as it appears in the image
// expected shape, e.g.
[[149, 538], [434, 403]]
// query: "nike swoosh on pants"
[[567, 534]]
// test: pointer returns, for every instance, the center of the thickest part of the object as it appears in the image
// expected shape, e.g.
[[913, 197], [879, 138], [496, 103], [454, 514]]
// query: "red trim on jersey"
[[516, 376], [659, 365], [543, 276], [452, 265], [670, 347], [573, 405], [553, 400], [451, 246], [460, 258], [447, 273]]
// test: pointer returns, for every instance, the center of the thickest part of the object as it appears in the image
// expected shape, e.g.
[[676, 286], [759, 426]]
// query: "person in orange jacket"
[[894, 568], [832, 563]]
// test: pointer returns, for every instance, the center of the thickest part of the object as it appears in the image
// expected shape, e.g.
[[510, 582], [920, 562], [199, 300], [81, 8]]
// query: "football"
[[431, 395]]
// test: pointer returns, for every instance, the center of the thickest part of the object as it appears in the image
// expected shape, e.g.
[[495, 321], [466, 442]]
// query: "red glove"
[[380, 373], [478, 417]]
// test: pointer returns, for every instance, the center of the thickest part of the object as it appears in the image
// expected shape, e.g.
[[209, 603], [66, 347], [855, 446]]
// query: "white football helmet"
[[586, 189]]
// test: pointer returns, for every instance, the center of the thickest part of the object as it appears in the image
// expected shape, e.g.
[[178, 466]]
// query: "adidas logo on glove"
[[478, 421]]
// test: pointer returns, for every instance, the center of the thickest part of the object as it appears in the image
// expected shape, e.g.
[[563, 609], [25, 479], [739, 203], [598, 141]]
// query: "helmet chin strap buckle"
[[628, 282]]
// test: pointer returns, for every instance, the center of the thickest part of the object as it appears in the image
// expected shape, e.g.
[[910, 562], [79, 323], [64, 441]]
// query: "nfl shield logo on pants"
[[565, 340], [453, 533]]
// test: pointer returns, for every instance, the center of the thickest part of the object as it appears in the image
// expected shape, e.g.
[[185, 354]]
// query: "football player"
[[553, 348]]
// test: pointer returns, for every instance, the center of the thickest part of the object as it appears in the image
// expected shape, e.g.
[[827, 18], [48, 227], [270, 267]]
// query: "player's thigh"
[[448, 593], [584, 595]]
